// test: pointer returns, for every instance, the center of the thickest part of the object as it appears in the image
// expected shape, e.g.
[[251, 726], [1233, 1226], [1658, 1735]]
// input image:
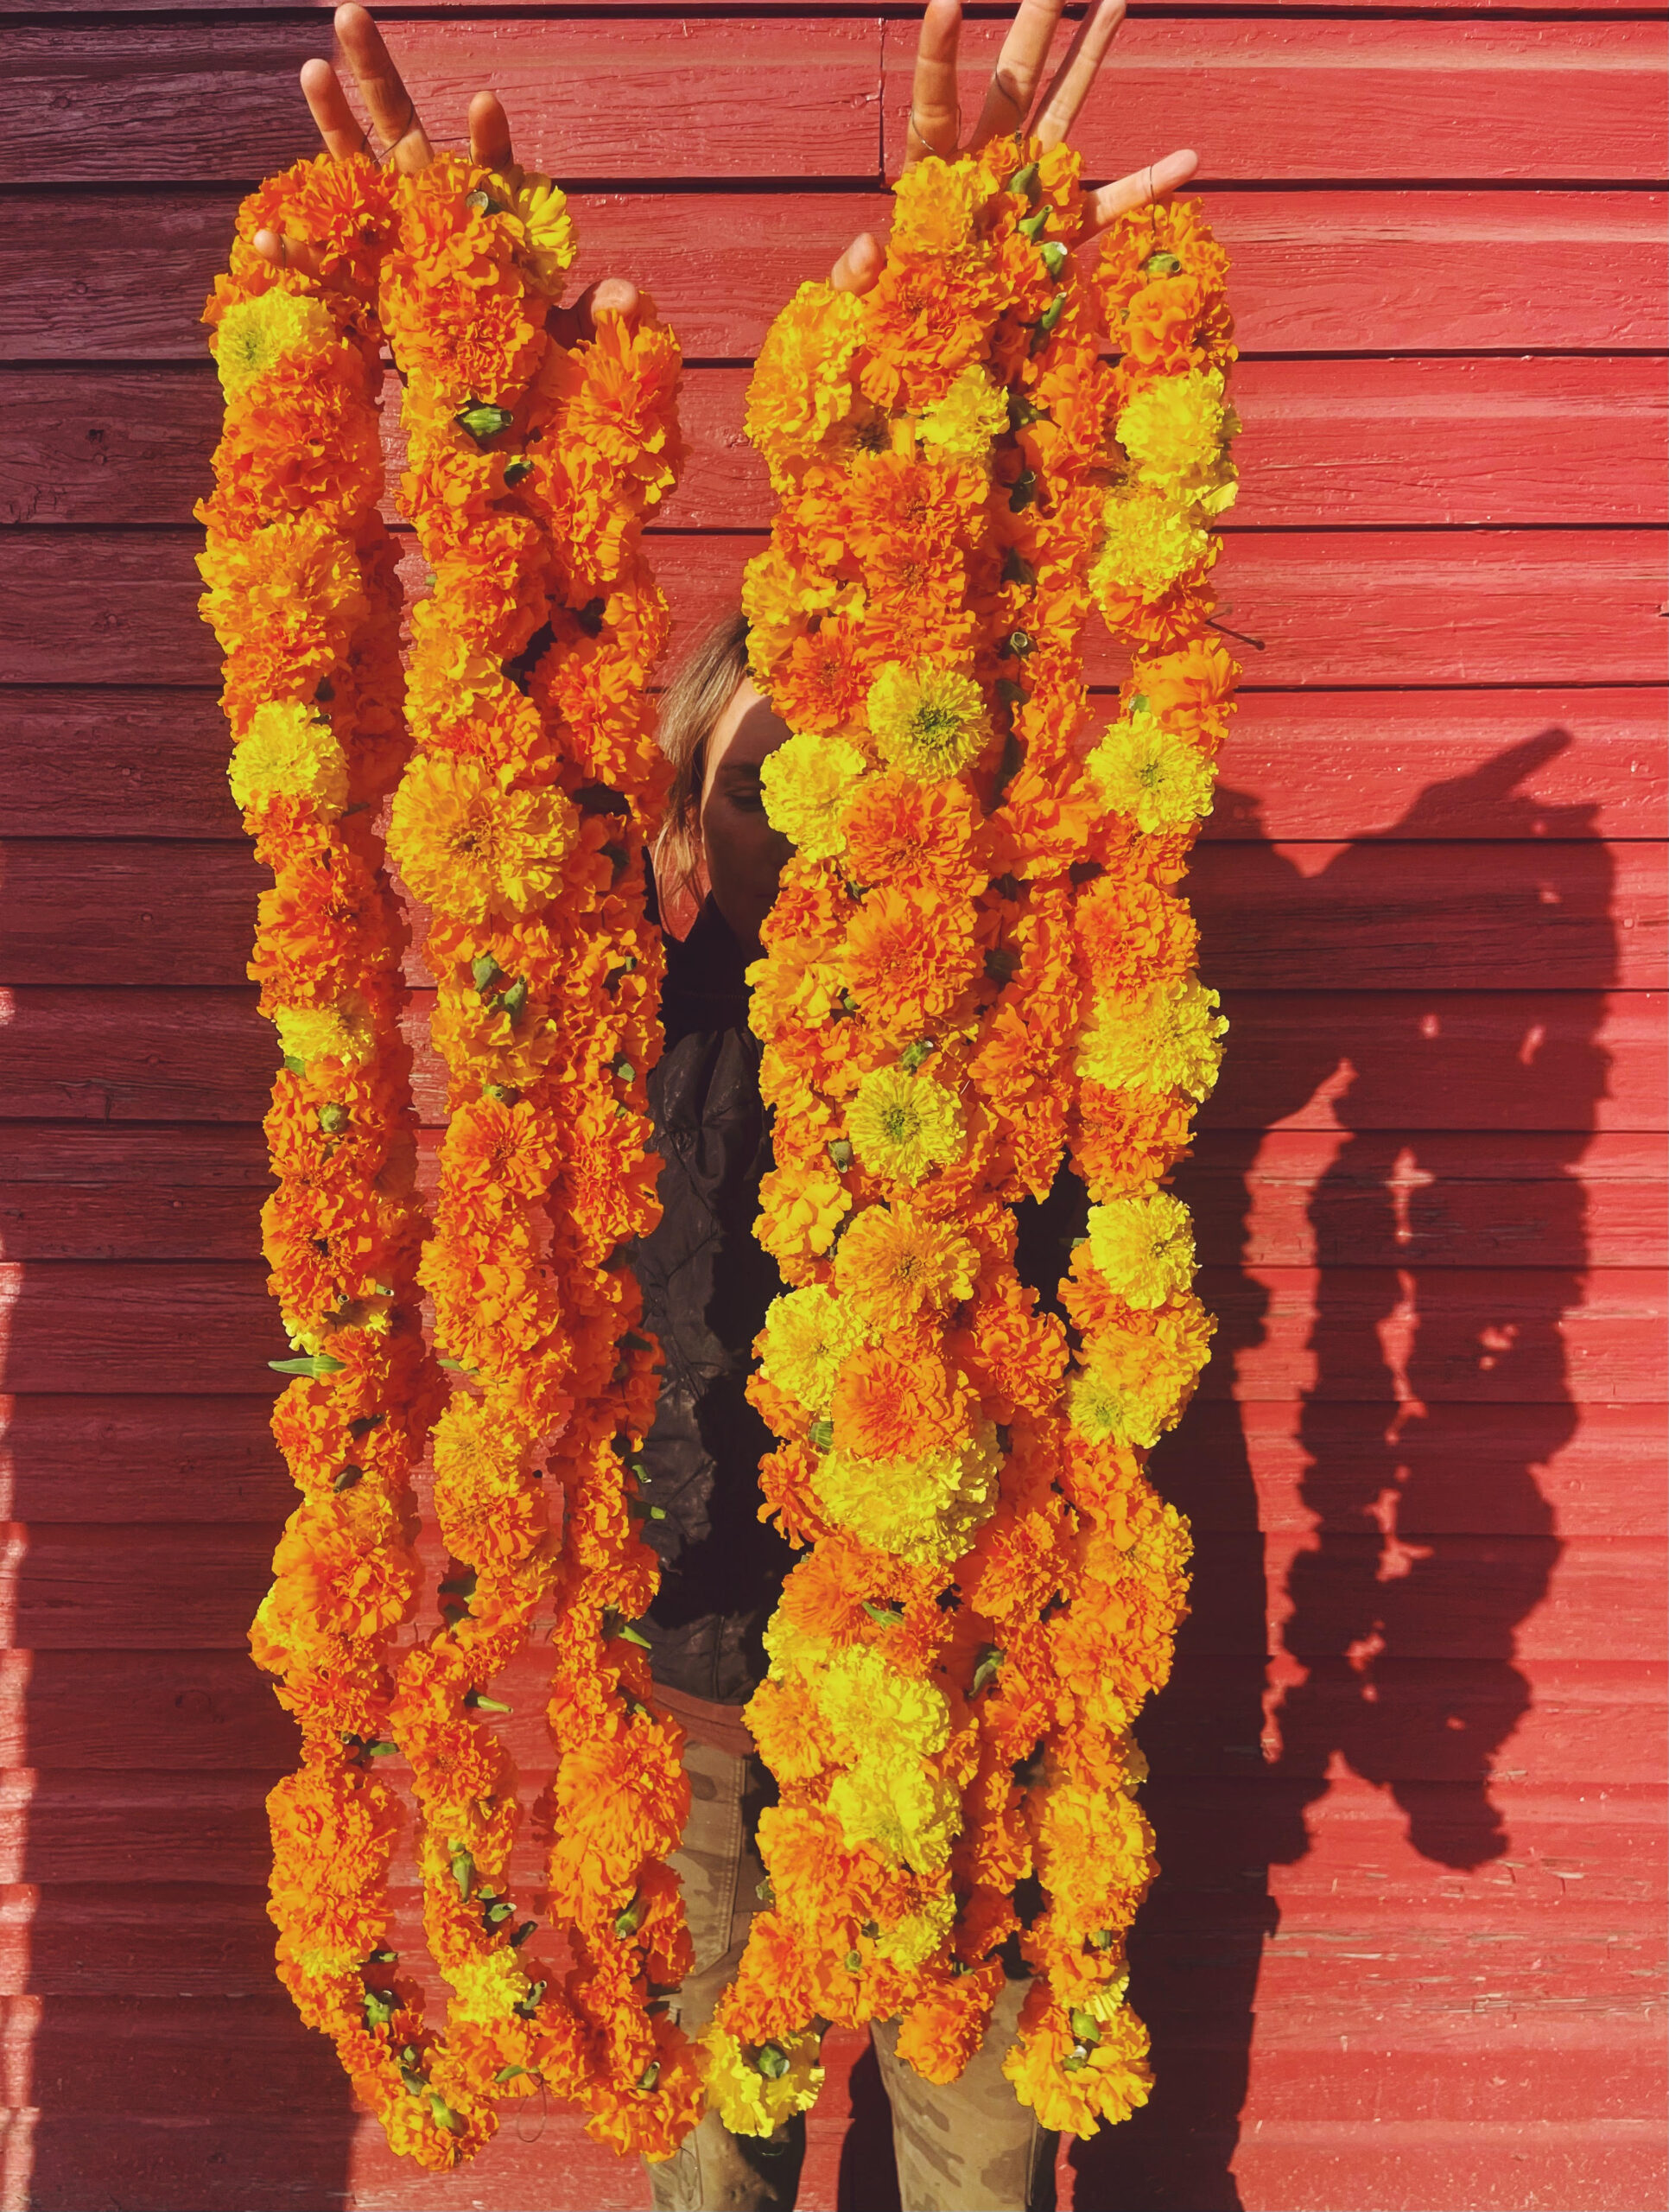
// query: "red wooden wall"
[[1407, 1951]]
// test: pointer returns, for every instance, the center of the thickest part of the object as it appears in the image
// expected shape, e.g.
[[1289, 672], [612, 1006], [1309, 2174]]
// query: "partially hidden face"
[[743, 854]]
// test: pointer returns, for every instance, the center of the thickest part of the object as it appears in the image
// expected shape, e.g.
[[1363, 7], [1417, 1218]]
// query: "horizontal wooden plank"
[[1529, 1470], [1326, 443], [639, 96], [1374, 915], [643, 97], [1407, 1060], [1294, 100], [1307, 1197], [1484, 1335], [119, 762], [1369, 607], [1315, 271], [142, 1827], [1375, 2168]]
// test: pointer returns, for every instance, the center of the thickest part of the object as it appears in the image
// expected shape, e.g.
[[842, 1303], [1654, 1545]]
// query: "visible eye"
[[745, 791]]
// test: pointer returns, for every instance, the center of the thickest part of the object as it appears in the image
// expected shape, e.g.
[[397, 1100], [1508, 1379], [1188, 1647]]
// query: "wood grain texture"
[[1478, 765], [696, 98], [1361, 607], [1392, 272], [1466, 1200], [1295, 99], [1479, 1335], [1405, 1060], [1326, 444], [1389, 914], [669, 97]]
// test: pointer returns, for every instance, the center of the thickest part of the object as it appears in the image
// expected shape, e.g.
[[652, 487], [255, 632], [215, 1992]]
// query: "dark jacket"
[[706, 1284]]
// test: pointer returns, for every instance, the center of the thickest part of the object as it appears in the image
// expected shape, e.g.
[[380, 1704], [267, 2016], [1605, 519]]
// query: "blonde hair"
[[703, 684]]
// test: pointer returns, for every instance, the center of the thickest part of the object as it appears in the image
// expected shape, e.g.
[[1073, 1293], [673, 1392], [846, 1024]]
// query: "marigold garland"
[[521, 823], [303, 598], [977, 960]]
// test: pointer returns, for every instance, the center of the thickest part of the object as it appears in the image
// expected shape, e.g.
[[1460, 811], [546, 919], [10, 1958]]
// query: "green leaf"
[[380, 2009], [821, 1434], [614, 1625], [628, 1922], [765, 1891], [479, 1701], [1053, 256], [840, 1151], [1025, 183], [318, 1363], [1032, 226], [381, 1748], [1074, 2061], [454, 1366], [463, 1584], [519, 1935], [443, 2111], [1162, 265], [854, 1961], [347, 1477], [502, 1094], [295, 1065], [772, 2061], [913, 1055], [513, 1002], [990, 1659], [333, 1119], [884, 1615], [463, 1871], [1001, 963], [530, 2003], [362, 1425], [508, 2073], [1103, 1939], [1024, 487], [485, 972], [1017, 569], [1085, 2025], [623, 1067], [1043, 327], [482, 203], [482, 422], [517, 472], [650, 2077], [496, 1914]]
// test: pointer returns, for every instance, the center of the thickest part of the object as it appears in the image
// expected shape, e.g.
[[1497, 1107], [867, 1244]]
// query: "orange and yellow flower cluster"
[[976, 966], [302, 595], [521, 825]]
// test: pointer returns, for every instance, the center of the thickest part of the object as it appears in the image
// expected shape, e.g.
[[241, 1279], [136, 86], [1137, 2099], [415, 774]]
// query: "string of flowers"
[[936, 964], [303, 597], [521, 824]]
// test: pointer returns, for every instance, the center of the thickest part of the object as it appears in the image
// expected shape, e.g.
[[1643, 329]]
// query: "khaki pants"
[[970, 2147]]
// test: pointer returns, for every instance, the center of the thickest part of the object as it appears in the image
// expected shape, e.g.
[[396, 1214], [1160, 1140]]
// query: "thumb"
[[859, 267]]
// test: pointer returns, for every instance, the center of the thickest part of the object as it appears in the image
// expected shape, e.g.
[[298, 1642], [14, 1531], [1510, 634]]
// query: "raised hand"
[[405, 143], [1012, 103]]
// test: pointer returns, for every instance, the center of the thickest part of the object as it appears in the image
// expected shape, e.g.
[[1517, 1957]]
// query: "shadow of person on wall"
[[1440, 1389]]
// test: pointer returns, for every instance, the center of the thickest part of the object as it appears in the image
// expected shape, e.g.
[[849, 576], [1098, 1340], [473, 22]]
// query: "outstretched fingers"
[[609, 295], [489, 131], [393, 112], [1075, 80], [1156, 182], [935, 112], [1020, 70]]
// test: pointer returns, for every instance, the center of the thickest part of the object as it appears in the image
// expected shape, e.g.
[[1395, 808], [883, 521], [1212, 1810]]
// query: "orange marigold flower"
[[908, 960], [904, 835], [895, 1265], [900, 1399]]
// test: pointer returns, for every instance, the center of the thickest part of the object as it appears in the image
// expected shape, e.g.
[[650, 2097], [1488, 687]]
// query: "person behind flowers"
[[707, 1282]]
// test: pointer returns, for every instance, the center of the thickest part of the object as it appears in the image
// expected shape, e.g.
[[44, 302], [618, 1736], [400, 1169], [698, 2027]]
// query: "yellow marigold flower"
[[1151, 541], [913, 1939], [807, 783], [1169, 1040], [1134, 1383], [1155, 775], [972, 413], [485, 1987], [894, 1266], [1144, 1246], [289, 750], [548, 242], [754, 2087], [925, 1509], [938, 204], [904, 1126], [914, 1815], [471, 847], [1176, 429], [929, 722], [802, 384], [773, 601], [340, 1033], [255, 335], [807, 1336], [869, 1702]]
